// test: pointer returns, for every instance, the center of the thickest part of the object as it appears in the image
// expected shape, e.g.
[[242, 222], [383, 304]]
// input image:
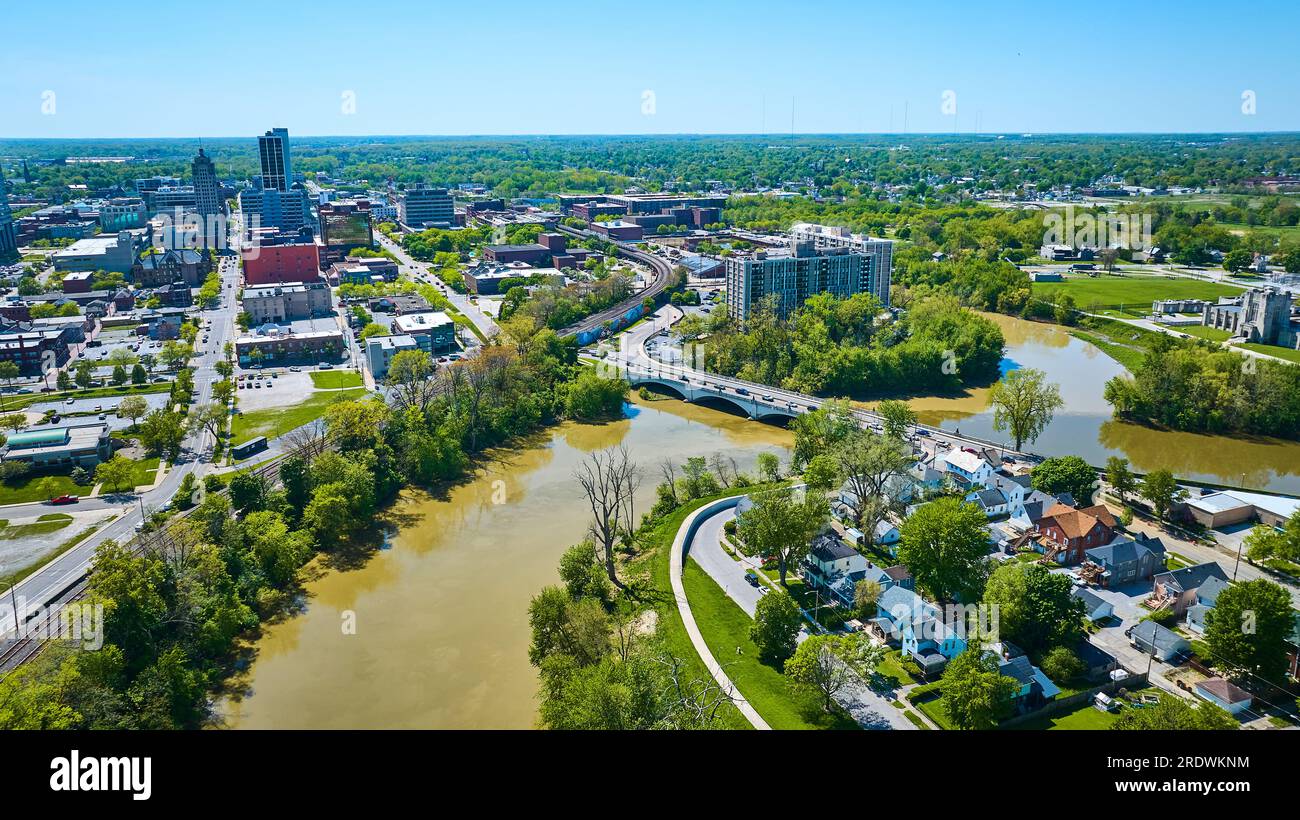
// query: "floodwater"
[[1084, 426], [441, 621]]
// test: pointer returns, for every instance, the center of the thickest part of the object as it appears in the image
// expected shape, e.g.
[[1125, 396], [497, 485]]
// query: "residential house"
[[1097, 662], [920, 628], [1177, 589], [1035, 688], [1095, 607], [887, 535], [1224, 694], [1127, 560], [966, 467], [1066, 533], [992, 502], [835, 568], [1207, 595], [1150, 638]]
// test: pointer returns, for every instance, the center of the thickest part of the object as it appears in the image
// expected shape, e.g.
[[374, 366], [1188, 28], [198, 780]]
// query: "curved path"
[[684, 535]]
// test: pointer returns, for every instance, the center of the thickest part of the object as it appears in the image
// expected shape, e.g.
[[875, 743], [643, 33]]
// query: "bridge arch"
[[663, 386], [724, 403]]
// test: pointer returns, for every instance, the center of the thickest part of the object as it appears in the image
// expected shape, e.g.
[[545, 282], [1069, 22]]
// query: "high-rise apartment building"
[[792, 278], [879, 253], [423, 206], [277, 168]]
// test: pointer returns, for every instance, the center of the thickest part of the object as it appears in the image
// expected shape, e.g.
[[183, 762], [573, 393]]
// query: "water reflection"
[[441, 617]]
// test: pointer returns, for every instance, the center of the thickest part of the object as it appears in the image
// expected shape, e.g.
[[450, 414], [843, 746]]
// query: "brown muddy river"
[[441, 637], [1084, 427]]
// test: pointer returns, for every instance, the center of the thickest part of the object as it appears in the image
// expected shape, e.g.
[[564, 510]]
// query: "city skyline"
[[690, 70]]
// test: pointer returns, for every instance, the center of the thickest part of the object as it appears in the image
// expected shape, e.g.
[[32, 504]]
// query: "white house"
[[968, 468], [1224, 694], [1095, 607]]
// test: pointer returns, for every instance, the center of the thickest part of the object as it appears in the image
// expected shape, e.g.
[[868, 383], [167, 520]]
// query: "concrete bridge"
[[755, 403]]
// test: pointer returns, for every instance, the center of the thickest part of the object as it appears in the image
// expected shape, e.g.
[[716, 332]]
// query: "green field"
[[27, 489], [335, 379], [276, 421], [1273, 350], [1285, 232], [1211, 333], [725, 627], [1130, 295]]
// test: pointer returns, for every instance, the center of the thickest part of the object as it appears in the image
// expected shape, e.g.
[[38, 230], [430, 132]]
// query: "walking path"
[[869, 708], [693, 630]]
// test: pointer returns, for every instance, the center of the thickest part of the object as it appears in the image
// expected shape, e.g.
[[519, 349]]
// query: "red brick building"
[[1070, 531], [282, 264]]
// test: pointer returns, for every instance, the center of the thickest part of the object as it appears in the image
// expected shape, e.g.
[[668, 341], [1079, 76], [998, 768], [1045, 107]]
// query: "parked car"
[[65, 499], [752, 580], [325, 366]]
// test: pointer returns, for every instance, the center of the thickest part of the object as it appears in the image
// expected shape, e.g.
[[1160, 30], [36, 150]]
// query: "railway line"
[[663, 275]]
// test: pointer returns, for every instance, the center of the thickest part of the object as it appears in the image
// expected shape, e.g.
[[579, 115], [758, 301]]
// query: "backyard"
[[1130, 296]]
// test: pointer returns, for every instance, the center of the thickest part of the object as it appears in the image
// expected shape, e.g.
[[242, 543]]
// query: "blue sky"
[[718, 66]]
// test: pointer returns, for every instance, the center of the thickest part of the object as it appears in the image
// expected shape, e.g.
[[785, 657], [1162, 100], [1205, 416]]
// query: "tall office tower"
[[207, 198], [8, 236], [422, 206], [277, 169], [879, 252], [792, 278], [207, 191]]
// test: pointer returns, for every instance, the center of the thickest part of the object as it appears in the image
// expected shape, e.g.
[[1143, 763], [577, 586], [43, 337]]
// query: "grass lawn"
[[1214, 334], [51, 522], [891, 669], [334, 379], [15, 577], [669, 627], [27, 489], [276, 421], [144, 471], [1130, 295], [936, 710], [1084, 717], [725, 627], [1273, 350]]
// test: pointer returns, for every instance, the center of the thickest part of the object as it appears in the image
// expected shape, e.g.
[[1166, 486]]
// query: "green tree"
[[975, 694], [825, 664], [133, 408], [115, 474], [896, 416], [1160, 488], [1062, 665], [1035, 606], [162, 433], [822, 473], [119, 375], [83, 374], [779, 526], [582, 574], [1249, 627], [865, 595], [1121, 480], [1066, 474], [1238, 260], [1174, 713], [1024, 403], [776, 626], [138, 374], [49, 487], [578, 630], [248, 491], [943, 544], [769, 467]]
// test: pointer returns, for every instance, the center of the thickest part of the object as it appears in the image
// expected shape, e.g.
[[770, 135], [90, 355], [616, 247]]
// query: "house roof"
[[1018, 668], [990, 498], [1188, 578], [1224, 690], [1208, 592], [962, 460], [1090, 599], [1077, 523], [1119, 552], [829, 548], [899, 573], [1156, 636]]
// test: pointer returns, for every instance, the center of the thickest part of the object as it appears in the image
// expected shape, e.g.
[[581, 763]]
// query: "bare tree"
[[308, 440], [719, 466], [609, 479], [669, 472]]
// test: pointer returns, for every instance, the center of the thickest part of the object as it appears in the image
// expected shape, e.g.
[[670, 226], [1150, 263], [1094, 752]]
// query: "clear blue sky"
[[720, 66]]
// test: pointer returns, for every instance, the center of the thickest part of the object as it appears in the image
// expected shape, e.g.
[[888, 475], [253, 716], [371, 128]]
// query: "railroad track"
[[37, 629], [663, 275]]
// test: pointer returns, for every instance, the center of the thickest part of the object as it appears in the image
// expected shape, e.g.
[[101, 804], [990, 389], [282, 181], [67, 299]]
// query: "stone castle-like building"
[[1260, 315]]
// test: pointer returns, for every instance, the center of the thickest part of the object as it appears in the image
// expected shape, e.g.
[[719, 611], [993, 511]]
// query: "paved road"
[[47, 583], [869, 709], [419, 272]]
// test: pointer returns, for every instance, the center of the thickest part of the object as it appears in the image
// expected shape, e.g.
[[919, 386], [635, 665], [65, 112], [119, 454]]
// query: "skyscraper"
[[207, 191], [879, 253], [8, 236], [277, 168]]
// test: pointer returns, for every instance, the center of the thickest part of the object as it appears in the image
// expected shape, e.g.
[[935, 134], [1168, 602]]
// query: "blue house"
[[1207, 595], [919, 628]]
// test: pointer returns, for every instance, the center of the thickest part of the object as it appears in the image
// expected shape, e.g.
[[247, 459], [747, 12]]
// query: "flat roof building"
[[75, 445], [287, 303], [424, 206], [380, 351], [433, 330], [111, 253], [879, 253], [792, 279]]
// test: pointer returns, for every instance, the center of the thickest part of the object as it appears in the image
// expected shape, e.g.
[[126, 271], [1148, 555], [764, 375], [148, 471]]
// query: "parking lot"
[[105, 405], [260, 390]]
